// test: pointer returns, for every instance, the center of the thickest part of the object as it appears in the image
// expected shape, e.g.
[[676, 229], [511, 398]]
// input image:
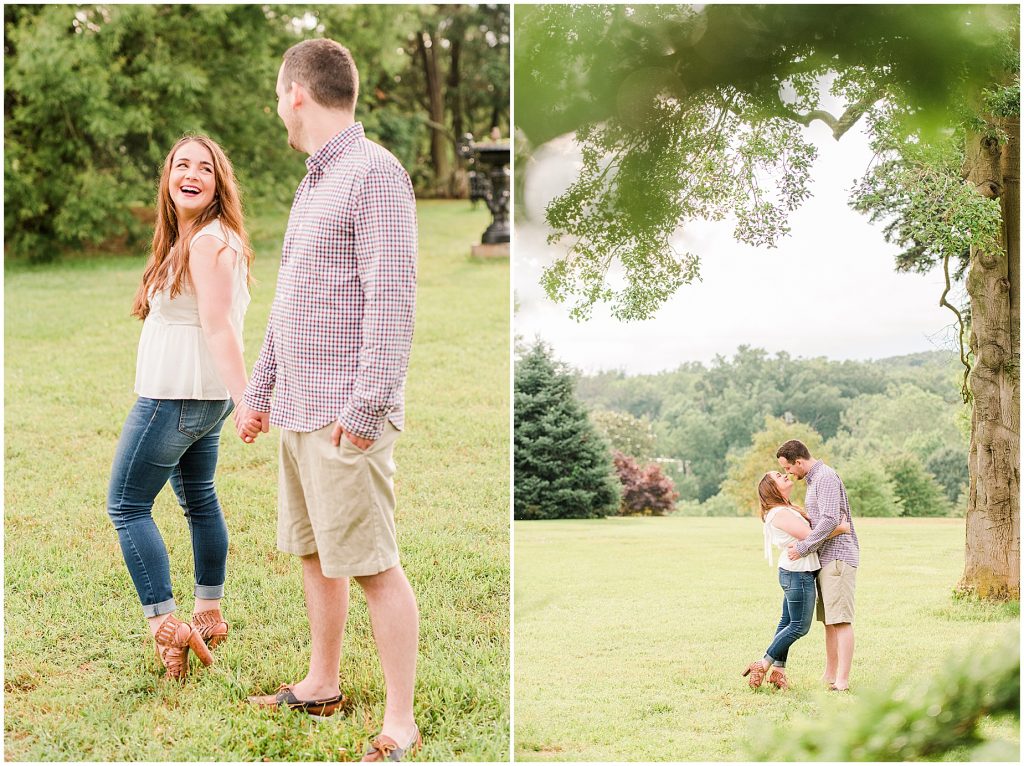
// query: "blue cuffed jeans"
[[172, 440], [797, 613]]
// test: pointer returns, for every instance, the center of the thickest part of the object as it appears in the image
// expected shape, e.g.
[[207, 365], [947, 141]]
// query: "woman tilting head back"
[[784, 524], [189, 374], [218, 198], [770, 492]]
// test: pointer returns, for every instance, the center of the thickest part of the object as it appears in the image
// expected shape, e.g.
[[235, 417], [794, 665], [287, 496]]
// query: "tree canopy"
[[690, 112]]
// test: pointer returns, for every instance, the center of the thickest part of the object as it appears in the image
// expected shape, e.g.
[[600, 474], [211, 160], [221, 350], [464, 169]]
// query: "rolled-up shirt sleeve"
[[385, 246], [828, 493], [264, 373]]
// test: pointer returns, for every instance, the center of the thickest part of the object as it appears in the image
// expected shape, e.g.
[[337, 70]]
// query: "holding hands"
[[250, 423]]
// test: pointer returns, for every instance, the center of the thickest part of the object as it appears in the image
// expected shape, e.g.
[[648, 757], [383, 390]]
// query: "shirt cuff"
[[801, 548], [257, 400], [362, 423]]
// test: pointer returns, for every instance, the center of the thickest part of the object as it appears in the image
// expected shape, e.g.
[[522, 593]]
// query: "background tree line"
[[95, 95], [894, 428]]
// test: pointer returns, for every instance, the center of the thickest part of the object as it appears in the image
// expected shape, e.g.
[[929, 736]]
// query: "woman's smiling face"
[[783, 482], [193, 181]]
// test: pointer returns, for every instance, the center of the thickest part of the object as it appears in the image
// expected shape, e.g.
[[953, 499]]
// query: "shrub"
[[721, 505], [870, 489], [689, 508], [646, 491], [914, 721], [917, 490]]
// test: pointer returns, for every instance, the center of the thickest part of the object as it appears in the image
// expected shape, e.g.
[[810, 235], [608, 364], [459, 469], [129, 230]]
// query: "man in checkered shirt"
[[827, 505], [331, 375]]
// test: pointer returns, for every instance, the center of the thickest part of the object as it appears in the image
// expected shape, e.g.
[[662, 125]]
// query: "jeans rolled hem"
[[776, 663], [209, 591], [155, 610]]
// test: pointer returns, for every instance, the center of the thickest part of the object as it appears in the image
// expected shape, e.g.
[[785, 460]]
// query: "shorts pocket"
[[348, 444]]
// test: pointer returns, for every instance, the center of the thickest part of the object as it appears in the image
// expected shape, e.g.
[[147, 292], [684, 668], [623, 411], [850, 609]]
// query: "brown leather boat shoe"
[[285, 697], [383, 748]]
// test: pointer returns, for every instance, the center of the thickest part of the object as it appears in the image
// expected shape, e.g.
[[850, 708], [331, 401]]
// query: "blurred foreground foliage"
[[918, 719]]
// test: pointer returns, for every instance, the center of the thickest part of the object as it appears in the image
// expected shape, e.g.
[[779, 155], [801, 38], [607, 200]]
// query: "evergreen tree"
[[562, 467]]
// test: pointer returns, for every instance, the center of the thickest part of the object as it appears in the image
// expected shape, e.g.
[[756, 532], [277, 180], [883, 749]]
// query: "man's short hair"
[[793, 450], [326, 69]]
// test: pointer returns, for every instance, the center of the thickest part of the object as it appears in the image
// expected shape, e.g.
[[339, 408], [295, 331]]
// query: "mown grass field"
[[80, 677], [630, 634]]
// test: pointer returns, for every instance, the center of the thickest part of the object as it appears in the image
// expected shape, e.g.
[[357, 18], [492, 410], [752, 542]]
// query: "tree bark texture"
[[458, 183], [992, 567], [428, 50]]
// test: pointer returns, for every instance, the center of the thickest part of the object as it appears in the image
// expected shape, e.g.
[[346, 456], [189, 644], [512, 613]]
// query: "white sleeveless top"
[[174, 361], [781, 539]]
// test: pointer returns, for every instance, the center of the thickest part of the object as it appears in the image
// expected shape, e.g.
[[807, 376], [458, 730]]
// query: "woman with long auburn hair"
[[189, 375], [785, 523]]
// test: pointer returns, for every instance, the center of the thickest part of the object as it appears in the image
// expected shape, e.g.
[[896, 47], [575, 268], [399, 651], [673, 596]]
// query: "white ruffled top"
[[174, 361], [782, 539]]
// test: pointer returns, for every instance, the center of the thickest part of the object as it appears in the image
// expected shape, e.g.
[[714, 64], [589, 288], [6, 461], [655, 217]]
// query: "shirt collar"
[[335, 147], [814, 470]]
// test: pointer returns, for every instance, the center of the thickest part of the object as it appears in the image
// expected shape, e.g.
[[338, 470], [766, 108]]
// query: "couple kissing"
[[818, 558]]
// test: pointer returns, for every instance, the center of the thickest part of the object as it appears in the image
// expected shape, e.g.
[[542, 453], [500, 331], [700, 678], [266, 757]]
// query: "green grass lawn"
[[81, 678], [630, 634]]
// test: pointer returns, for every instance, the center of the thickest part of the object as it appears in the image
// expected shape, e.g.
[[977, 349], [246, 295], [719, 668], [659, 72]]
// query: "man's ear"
[[297, 94]]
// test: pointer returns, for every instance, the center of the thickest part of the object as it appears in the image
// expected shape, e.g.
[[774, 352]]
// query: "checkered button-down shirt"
[[340, 329], [827, 505]]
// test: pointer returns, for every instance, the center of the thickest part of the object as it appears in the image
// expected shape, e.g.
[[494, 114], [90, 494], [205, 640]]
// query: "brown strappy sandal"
[[778, 679], [173, 639], [211, 626], [756, 672]]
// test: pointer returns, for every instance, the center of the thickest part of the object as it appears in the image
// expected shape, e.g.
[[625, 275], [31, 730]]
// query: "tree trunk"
[[455, 82], [438, 142], [458, 183], [992, 567]]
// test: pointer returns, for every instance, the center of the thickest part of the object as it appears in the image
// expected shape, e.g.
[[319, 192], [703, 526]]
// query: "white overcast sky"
[[834, 268]]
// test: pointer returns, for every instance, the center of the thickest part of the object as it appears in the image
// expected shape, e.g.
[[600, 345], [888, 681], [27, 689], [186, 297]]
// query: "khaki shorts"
[[837, 582], [338, 502]]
